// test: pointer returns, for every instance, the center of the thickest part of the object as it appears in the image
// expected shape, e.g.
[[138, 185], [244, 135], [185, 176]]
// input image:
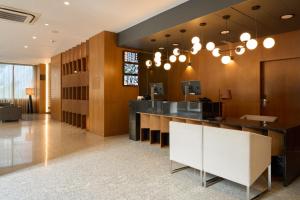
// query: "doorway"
[[280, 89]]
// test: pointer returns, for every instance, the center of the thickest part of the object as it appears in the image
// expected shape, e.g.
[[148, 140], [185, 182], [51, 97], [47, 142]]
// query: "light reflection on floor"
[[35, 140]]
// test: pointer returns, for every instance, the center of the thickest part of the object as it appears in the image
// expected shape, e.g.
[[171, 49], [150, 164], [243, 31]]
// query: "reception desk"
[[190, 110], [154, 127]]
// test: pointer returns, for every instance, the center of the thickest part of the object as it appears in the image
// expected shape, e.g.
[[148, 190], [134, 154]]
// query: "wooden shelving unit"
[[75, 86]]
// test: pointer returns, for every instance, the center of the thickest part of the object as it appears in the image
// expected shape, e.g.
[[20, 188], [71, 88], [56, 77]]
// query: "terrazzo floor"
[[44, 159]]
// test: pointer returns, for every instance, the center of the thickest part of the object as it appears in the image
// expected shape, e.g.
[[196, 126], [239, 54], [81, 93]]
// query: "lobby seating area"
[[214, 151], [10, 112]]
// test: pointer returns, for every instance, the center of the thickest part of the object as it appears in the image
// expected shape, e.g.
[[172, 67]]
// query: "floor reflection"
[[15, 149], [36, 139]]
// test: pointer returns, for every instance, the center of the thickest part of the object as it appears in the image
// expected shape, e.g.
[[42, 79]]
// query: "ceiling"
[[242, 19], [69, 25]]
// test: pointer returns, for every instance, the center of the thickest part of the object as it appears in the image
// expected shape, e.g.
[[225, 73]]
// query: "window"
[[6, 81], [14, 79]]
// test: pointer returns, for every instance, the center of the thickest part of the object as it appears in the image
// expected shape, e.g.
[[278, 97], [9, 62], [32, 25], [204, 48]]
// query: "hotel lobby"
[[173, 99]]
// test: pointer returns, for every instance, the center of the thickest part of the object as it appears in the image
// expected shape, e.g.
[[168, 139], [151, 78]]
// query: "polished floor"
[[45, 159]]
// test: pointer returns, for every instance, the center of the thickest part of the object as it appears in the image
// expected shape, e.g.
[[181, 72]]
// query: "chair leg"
[[204, 179], [263, 191], [248, 193], [178, 169], [201, 177], [211, 181]]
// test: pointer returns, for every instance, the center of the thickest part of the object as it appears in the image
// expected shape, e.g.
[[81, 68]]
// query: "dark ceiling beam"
[[180, 14]]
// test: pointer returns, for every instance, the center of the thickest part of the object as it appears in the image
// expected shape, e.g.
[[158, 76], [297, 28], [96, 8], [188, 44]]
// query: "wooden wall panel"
[[41, 88], [55, 87], [116, 95], [108, 113], [96, 83], [242, 76]]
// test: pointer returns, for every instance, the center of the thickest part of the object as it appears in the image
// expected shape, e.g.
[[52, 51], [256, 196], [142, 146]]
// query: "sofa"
[[239, 156], [9, 112]]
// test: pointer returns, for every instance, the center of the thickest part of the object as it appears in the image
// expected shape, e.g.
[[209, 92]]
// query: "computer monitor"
[[191, 87], [158, 88]]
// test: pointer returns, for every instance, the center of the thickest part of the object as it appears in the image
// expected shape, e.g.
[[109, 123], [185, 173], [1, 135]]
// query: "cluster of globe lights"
[[247, 41], [245, 38], [177, 55]]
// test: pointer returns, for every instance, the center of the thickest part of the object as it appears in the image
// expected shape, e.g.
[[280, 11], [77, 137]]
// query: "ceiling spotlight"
[[173, 58], [225, 32], [210, 46], [245, 37], [288, 16], [25, 46], [176, 51], [67, 3], [251, 44], [195, 40], [240, 50], [175, 44], [225, 60], [161, 48], [46, 24], [216, 52], [34, 37], [148, 63], [167, 66], [182, 58], [269, 43]]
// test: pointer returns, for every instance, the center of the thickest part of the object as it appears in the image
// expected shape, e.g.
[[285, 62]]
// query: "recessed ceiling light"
[[175, 44], [34, 37], [161, 48], [46, 24], [288, 16], [67, 3], [25, 46], [225, 32]]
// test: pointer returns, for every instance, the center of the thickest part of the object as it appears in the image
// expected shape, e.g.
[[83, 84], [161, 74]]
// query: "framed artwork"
[[130, 68]]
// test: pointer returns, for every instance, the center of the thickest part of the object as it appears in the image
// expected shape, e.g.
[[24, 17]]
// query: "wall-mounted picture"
[[131, 80], [131, 57], [130, 68]]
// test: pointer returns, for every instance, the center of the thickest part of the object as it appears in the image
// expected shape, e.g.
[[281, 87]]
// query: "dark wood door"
[[280, 86]]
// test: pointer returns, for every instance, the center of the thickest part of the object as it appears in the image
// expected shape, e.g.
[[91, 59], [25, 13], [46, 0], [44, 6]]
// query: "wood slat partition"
[[74, 87], [92, 71]]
